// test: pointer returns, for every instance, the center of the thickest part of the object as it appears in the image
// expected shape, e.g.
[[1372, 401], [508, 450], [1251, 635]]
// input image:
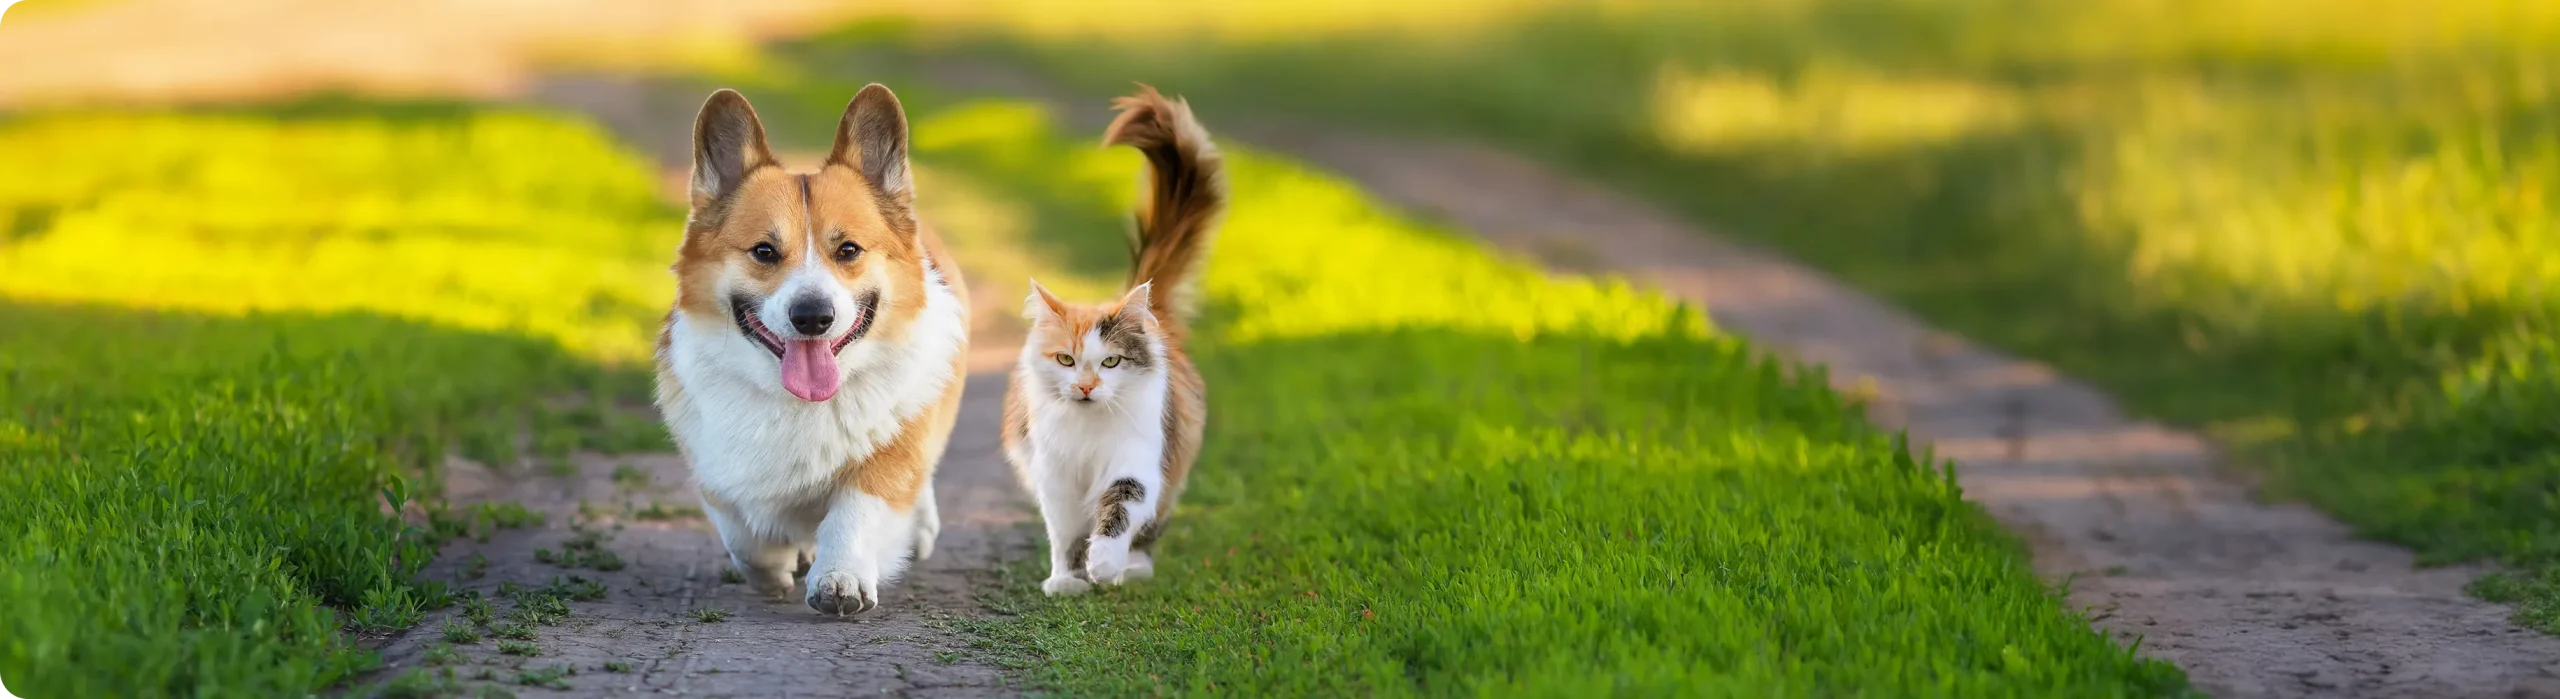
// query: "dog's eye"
[[847, 251], [1064, 360], [765, 253], [1109, 362]]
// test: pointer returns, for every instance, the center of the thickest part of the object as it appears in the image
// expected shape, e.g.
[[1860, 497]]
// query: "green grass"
[[420, 683], [460, 634], [585, 550], [554, 677], [1435, 472], [235, 337], [2322, 231]]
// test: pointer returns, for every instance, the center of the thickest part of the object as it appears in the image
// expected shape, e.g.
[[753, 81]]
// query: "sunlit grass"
[[1321, 260], [488, 221], [1839, 113], [235, 341], [2308, 227]]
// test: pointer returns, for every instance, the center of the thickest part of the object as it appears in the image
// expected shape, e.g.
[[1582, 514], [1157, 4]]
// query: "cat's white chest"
[[1078, 442]]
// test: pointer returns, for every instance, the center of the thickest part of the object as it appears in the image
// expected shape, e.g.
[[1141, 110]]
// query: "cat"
[[1104, 411]]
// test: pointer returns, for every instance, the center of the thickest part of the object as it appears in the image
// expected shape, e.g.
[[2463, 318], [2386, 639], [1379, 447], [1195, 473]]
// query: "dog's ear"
[[872, 139], [728, 143]]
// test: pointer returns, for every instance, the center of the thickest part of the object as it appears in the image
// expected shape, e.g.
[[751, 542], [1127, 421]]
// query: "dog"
[[812, 366]]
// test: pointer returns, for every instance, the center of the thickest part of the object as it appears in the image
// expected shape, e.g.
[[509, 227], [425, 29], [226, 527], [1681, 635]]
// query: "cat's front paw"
[[842, 593], [1141, 566], [1065, 586], [1105, 559]]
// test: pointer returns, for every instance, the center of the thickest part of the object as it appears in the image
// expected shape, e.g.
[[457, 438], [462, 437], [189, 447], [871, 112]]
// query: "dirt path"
[[2252, 599], [669, 622]]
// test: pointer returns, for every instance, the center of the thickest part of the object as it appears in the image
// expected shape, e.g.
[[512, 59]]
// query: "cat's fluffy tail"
[[1188, 194]]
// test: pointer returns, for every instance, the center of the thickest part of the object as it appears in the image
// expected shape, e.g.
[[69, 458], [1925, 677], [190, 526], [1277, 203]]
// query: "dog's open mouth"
[[742, 310], [808, 366]]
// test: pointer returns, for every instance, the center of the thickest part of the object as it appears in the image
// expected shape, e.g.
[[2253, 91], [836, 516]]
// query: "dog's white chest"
[[752, 443], [750, 448]]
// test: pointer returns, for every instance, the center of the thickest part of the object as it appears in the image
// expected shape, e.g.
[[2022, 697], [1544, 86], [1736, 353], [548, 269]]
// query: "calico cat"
[[1104, 412]]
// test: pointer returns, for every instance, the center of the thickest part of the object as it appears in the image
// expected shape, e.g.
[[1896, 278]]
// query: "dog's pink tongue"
[[809, 370]]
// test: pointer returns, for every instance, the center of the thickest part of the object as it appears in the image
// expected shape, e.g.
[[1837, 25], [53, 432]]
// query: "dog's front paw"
[[775, 583], [924, 541], [1065, 586], [842, 593]]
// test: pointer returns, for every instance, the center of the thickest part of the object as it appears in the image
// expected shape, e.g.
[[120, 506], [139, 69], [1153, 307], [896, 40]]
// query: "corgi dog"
[[1104, 412], [812, 366]]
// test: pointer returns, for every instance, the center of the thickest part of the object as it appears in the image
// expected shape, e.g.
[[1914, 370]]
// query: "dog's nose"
[[812, 315]]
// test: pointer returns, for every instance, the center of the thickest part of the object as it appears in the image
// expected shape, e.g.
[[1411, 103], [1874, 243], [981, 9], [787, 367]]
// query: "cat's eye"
[[1064, 360], [1109, 362], [765, 253], [847, 251]]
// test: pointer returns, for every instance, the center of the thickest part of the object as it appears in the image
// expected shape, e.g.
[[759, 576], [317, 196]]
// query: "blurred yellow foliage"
[[1172, 19], [1306, 254], [2240, 155], [1302, 253], [1847, 111], [526, 223], [492, 221]]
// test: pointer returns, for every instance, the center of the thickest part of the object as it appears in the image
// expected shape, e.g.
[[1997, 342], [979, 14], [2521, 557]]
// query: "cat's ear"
[[1139, 303], [1041, 305]]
